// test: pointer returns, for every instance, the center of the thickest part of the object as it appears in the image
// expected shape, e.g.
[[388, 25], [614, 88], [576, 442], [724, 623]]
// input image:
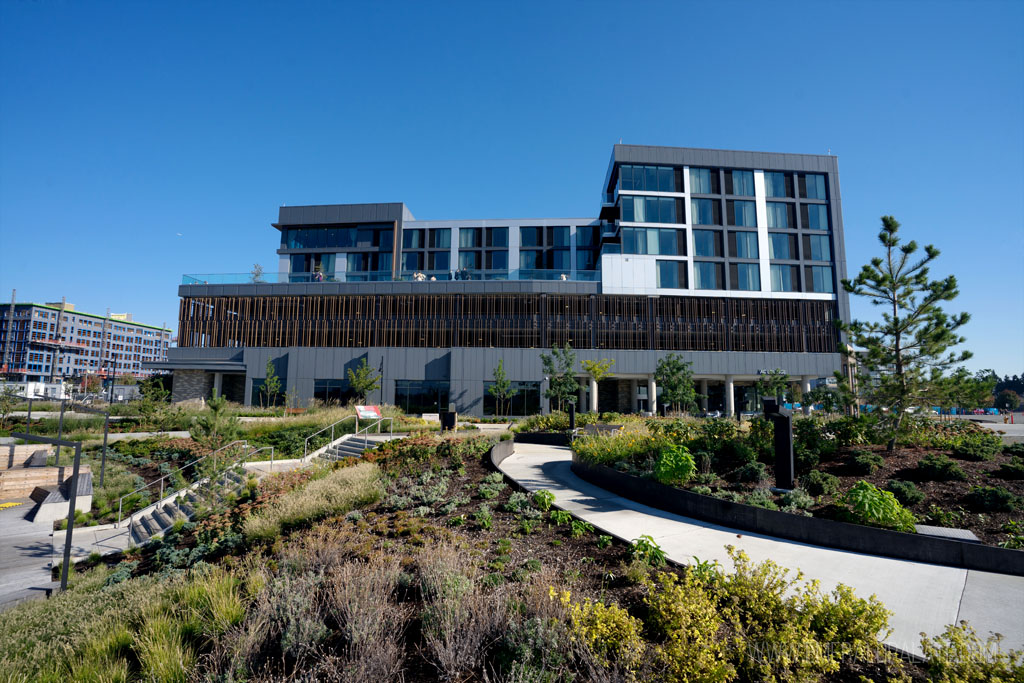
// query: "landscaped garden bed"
[[953, 474], [420, 563]]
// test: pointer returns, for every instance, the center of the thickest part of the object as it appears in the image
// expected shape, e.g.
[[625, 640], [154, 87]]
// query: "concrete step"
[[139, 534], [174, 512], [151, 527], [161, 518]]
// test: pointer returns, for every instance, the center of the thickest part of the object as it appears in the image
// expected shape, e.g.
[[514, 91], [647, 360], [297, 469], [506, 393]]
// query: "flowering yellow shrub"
[[608, 630]]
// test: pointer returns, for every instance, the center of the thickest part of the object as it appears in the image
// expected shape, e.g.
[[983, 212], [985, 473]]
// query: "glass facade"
[[526, 400], [778, 215], [667, 241], [412, 261], [746, 276], [440, 238], [497, 237], [742, 213], [813, 186], [703, 181], [362, 236], [558, 236], [419, 396], [820, 279], [648, 178], [707, 243], [672, 274], [530, 237], [785, 278], [739, 183], [744, 244], [777, 184], [331, 391], [815, 216], [496, 260], [469, 238], [781, 246], [705, 212], [469, 260], [708, 275], [439, 260], [817, 248], [587, 236], [412, 239], [649, 210]]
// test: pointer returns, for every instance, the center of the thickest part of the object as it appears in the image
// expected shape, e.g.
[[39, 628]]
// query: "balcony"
[[386, 276]]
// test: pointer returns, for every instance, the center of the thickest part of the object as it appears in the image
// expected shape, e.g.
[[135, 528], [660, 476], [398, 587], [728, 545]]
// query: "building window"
[[440, 238], [703, 181], [708, 275], [558, 259], [742, 213], [707, 243], [497, 260], [526, 400], [778, 184], [745, 276], [558, 236], [648, 178], [586, 259], [332, 391], [781, 246], [651, 210], [469, 260], [586, 236], [812, 186], [439, 260], [529, 237], [667, 241], [497, 237], [817, 248], [672, 274], [418, 396], [529, 260], [815, 216], [785, 278], [412, 239], [779, 215], [469, 238], [705, 212], [743, 244], [739, 183], [819, 279], [412, 261]]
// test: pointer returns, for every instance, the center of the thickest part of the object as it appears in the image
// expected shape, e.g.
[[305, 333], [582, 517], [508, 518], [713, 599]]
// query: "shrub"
[[731, 455], [872, 506], [604, 541], [804, 459], [579, 528], [815, 435], [731, 496], [1014, 449], [753, 471], [762, 498], [1011, 470], [702, 490], [516, 502], [905, 491], [938, 467], [818, 483], [797, 498], [867, 462], [646, 550], [484, 518], [543, 499], [978, 447], [992, 499], [960, 656], [674, 465], [612, 635], [628, 445]]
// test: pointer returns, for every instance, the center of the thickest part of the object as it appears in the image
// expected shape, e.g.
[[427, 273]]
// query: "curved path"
[[923, 597]]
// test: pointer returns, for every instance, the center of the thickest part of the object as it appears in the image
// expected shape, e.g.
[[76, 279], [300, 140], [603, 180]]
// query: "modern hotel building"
[[730, 259]]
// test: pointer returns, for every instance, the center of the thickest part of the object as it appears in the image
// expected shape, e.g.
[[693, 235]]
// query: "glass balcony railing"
[[386, 276]]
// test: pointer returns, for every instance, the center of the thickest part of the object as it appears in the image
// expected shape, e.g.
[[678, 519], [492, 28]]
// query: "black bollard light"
[[782, 423]]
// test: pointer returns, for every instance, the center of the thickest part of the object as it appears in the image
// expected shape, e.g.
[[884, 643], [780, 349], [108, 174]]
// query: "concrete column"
[[704, 391], [633, 384], [730, 396], [652, 394], [218, 380], [805, 386], [593, 395]]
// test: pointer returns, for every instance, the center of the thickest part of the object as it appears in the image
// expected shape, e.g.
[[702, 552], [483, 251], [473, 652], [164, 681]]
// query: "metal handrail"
[[261, 449], [365, 431], [120, 501], [305, 445]]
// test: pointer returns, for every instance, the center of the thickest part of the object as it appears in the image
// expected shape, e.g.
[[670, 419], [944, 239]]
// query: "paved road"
[[25, 555], [923, 597]]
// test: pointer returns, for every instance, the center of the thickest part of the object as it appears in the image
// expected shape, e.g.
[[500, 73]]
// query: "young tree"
[[363, 380], [675, 378], [271, 386], [215, 427], [910, 343], [598, 369], [256, 273], [501, 389], [91, 384], [1007, 400], [773, 383], [8, 399], [560, 368]]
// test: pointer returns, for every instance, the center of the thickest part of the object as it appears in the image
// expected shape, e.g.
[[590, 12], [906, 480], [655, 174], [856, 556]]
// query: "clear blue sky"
[[122, 125]]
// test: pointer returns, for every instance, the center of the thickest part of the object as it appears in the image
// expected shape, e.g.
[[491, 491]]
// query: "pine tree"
[[910, 343]]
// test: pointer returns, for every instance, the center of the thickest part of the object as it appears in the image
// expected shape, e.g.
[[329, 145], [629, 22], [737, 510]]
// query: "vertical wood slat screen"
[[510, 321]]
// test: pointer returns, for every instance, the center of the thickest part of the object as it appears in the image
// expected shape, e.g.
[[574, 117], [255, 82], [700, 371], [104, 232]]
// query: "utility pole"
[[10, 334], [103, 346], [55, 358]]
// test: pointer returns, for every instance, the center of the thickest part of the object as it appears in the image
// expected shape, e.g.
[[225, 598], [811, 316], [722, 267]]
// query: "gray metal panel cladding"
[[685, 156], [341, 213]]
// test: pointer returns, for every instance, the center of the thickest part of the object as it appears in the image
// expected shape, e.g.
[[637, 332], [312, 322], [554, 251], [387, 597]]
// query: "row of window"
[[476, 238], [742, 244], [706, 181], [744, 277], [365, 236], [739, 212], [430, 396]]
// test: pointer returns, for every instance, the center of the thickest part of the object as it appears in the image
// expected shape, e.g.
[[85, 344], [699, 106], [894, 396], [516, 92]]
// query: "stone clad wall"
[[191, 385]]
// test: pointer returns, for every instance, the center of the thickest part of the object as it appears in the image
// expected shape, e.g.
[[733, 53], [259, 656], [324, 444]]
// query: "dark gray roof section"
[[341, 213], [439, 287]]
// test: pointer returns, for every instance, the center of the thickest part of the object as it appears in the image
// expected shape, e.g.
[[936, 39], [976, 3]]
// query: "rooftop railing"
[[386, 276]]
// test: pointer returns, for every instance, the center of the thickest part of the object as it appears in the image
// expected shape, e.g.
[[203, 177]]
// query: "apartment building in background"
[[53, 342], [730, 259]]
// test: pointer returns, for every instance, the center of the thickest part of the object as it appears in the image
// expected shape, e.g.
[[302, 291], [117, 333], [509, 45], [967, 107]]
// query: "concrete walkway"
[[25, 555], [923, 597]]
